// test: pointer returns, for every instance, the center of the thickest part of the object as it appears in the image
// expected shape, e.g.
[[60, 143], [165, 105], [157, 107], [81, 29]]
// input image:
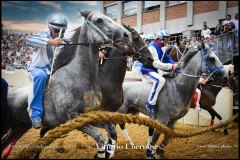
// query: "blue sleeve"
[[167, 58], [38, 40]]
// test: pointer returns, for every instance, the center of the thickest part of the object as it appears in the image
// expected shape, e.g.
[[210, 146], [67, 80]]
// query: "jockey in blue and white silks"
[[42, 58], [154, 74]]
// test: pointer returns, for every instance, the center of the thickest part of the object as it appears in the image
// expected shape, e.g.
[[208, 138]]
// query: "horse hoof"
[[150, 154], [96, 156], [225, 131], [160, 152]]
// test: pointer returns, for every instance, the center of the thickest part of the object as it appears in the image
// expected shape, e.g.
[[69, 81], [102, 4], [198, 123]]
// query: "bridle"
[[137, 55], [178, 50], [109, 43], [210, 70]]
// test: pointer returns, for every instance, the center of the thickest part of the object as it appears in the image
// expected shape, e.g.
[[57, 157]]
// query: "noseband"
[[210, 70]]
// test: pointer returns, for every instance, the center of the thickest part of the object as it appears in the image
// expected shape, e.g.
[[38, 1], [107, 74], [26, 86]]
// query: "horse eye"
[[212, 59], [99, 20]]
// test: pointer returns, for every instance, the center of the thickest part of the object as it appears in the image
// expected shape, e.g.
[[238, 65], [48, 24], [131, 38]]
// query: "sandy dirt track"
[[77, 145]]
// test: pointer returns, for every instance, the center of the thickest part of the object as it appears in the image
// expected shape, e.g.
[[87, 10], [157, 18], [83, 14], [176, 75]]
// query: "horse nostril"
[[125, 35], [150, 59], [225, 79]]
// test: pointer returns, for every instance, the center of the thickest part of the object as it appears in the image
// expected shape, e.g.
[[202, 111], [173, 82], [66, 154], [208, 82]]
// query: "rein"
[[210, 70], [136, 55]]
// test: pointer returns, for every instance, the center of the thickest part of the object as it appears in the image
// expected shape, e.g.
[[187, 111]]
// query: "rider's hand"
[[202, 81], [100, 54], [55, 42], [174, 67]]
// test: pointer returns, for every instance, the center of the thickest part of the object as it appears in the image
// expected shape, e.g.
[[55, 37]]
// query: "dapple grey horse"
[[175, 97], [74, 88], [111, 75]]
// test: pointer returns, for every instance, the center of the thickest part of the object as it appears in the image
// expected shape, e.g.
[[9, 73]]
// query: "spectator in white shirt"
[[205, 32]]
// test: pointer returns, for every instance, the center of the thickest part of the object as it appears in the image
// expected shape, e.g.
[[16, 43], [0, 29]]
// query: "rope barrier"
[[103, 116]]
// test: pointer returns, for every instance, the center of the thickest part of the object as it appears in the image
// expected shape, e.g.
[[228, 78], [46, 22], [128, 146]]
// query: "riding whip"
[[55, 52]]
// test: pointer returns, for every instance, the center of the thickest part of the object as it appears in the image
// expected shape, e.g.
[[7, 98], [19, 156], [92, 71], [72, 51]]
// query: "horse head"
[[141, 53], [213, 66], [233, 83], [103, 28]]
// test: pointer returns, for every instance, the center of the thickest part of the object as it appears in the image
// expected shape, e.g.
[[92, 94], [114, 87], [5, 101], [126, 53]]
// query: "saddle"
[[169, 74]]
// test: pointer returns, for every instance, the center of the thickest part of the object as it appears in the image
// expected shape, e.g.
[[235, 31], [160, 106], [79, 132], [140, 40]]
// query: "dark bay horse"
[[113, 70], [175, 98], [74, 88]]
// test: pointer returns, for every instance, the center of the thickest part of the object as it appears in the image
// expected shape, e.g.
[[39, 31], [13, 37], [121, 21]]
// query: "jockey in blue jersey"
[[40, 67], [162, 61], [138, 65]]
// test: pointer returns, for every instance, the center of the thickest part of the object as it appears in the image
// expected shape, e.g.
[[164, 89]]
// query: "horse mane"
[[66, 55], [185, 58]]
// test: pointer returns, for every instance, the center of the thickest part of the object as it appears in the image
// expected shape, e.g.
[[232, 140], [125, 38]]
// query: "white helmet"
[[163, 33], [57, 22], [151, 36]]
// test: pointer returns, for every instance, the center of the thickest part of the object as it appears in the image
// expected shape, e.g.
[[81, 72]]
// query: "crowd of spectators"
[[15, 55], [223, 27]]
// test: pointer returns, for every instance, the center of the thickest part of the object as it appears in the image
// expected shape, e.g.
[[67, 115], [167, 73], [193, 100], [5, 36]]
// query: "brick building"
[[178, 17]]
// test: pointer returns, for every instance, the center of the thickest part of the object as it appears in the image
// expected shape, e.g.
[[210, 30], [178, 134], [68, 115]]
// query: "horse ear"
[[85, 13], [229, 73], [127, 27]]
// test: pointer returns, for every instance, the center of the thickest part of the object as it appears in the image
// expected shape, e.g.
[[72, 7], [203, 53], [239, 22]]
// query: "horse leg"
[[150, 135], [112, 138], [124, 109], [126, 135], [95, 134], [155, 137], [16, 132], [225, 131], [160, 149], [44, 131], [212, 113]]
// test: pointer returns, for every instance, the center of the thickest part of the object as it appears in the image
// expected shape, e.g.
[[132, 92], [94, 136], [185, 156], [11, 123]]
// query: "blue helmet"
[[151, 36], [163, 33], [57, 22]]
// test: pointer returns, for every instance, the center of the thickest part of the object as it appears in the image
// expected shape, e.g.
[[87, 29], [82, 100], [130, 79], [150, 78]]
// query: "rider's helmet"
[[57, 22], [151, 37], [163, 33]]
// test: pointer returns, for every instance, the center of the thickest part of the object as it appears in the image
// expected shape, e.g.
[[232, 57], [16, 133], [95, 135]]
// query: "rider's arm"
[[38, 40], [156, 62]]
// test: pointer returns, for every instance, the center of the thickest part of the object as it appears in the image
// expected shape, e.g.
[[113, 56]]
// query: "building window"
[[151, 5], [169, 3], [111, 11], [129, 8]]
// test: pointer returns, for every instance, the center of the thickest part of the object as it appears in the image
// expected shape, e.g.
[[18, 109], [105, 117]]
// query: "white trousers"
[[198, 98], [158, 82]]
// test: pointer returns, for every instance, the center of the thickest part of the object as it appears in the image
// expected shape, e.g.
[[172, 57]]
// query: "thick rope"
[[102, 116]]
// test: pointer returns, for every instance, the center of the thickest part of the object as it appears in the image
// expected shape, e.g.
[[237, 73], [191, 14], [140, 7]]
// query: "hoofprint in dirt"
[[79, 145]]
